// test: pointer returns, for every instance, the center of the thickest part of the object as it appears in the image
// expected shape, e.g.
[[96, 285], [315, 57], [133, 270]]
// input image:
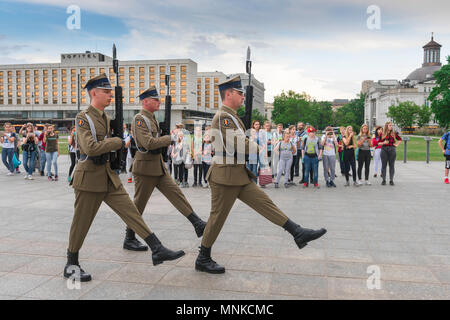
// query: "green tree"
[[320, 115], [404, 114], [440, 96], [351, 114], [291, 107], [256, 115], [424, 116]]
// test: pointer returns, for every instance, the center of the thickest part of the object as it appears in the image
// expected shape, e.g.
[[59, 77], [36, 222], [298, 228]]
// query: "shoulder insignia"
[[139, 123], [81, 122], [226, 123]]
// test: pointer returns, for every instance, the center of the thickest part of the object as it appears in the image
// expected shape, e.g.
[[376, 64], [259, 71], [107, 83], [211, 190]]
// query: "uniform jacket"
[[223, 171], [87, 175], [148, 164]]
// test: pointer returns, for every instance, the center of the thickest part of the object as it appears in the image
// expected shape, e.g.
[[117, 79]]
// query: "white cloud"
[[321, 47]]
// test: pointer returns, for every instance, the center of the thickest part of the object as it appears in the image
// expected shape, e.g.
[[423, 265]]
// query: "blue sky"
[[322, 47]]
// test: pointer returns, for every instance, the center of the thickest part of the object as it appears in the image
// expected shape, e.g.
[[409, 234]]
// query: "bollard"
[[405, 141], [428, 139]]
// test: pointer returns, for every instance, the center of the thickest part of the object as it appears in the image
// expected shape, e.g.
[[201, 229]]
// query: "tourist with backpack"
[[445, 146], [329, 143], [312, 153], [284, 151]]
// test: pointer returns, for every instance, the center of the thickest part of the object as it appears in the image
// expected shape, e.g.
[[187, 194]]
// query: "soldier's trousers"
[[222, 200], [144, 186], [87, 205]]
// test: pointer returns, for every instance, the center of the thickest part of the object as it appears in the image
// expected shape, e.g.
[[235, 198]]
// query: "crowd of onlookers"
[[40, 150], [291, 152]]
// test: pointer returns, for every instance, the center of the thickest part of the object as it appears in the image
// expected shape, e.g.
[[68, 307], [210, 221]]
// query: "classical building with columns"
[[416, 87]]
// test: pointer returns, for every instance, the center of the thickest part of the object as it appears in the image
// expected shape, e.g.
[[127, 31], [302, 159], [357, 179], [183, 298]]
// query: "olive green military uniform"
[[94, 183], [149, 170], [231, 181]]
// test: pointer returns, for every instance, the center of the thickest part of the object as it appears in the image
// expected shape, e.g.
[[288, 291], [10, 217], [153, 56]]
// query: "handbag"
[[265, 176], [15, 161]]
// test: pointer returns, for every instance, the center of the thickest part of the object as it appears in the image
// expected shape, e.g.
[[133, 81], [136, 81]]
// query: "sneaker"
[[206, 185], [391, 183], [287, 185], [130, 180], [56, 178], [18, 171], [375, 175], [347, 184], [276, 185], [367, 183], [186, 185], [305, 185], [357, 183], [10, 174], [383, 183], [200, 185], [50, 178], [332, 184], [446, 181], [194, 185], [316, 186], [30, 177], [26, 176], [42, 173]]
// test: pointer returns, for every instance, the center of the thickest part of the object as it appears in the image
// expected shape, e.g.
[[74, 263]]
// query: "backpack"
[[446, 140]]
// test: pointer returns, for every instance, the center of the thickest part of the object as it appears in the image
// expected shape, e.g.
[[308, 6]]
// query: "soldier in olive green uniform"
[[94, 181], [230, 179], [149, 170]]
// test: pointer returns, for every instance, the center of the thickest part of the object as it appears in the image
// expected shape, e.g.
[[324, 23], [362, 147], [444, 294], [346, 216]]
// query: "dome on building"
[[423, 74], [431, 62]]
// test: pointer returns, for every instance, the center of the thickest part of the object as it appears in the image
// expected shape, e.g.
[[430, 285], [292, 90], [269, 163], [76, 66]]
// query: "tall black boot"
[[205, 263], [73, 266], [302, 235], [159, 252], [131, 243], [199, 224]]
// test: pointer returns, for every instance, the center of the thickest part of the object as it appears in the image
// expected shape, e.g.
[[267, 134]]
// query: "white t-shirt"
[[7, 144], [328, 148]]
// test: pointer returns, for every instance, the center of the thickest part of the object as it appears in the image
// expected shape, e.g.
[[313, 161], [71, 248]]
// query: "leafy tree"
[[440, 96], [404, 114], [424, 116], [351, 114], [291, 107], [256, 115]]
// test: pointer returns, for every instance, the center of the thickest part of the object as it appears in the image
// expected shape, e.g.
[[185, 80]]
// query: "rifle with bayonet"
[[248, 93], [165, 125], [117, 123]]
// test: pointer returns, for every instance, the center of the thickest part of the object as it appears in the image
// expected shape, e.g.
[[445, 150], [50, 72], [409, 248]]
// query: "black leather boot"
[[159, 252], [205, 263], [131, 243], [199, 224], [302, 235], [72, 267]]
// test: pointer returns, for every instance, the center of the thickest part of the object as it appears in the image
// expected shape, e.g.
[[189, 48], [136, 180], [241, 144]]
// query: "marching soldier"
[[149, 170], [94, 181], [229, 181]]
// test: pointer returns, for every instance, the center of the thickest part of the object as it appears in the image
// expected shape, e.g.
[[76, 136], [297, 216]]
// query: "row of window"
[[131, 70]]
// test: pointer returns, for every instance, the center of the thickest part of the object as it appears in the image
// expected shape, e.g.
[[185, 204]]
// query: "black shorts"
[[447, 162]]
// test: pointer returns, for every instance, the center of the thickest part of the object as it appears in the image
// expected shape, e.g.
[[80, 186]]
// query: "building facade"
[[416, 88], [53, 92]]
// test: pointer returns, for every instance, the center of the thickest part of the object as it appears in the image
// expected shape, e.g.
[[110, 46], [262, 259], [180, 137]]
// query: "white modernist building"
[[51, 92], [416, 88]]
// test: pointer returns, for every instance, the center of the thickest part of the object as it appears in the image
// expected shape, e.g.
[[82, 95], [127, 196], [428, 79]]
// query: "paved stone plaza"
[[403, 230]]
